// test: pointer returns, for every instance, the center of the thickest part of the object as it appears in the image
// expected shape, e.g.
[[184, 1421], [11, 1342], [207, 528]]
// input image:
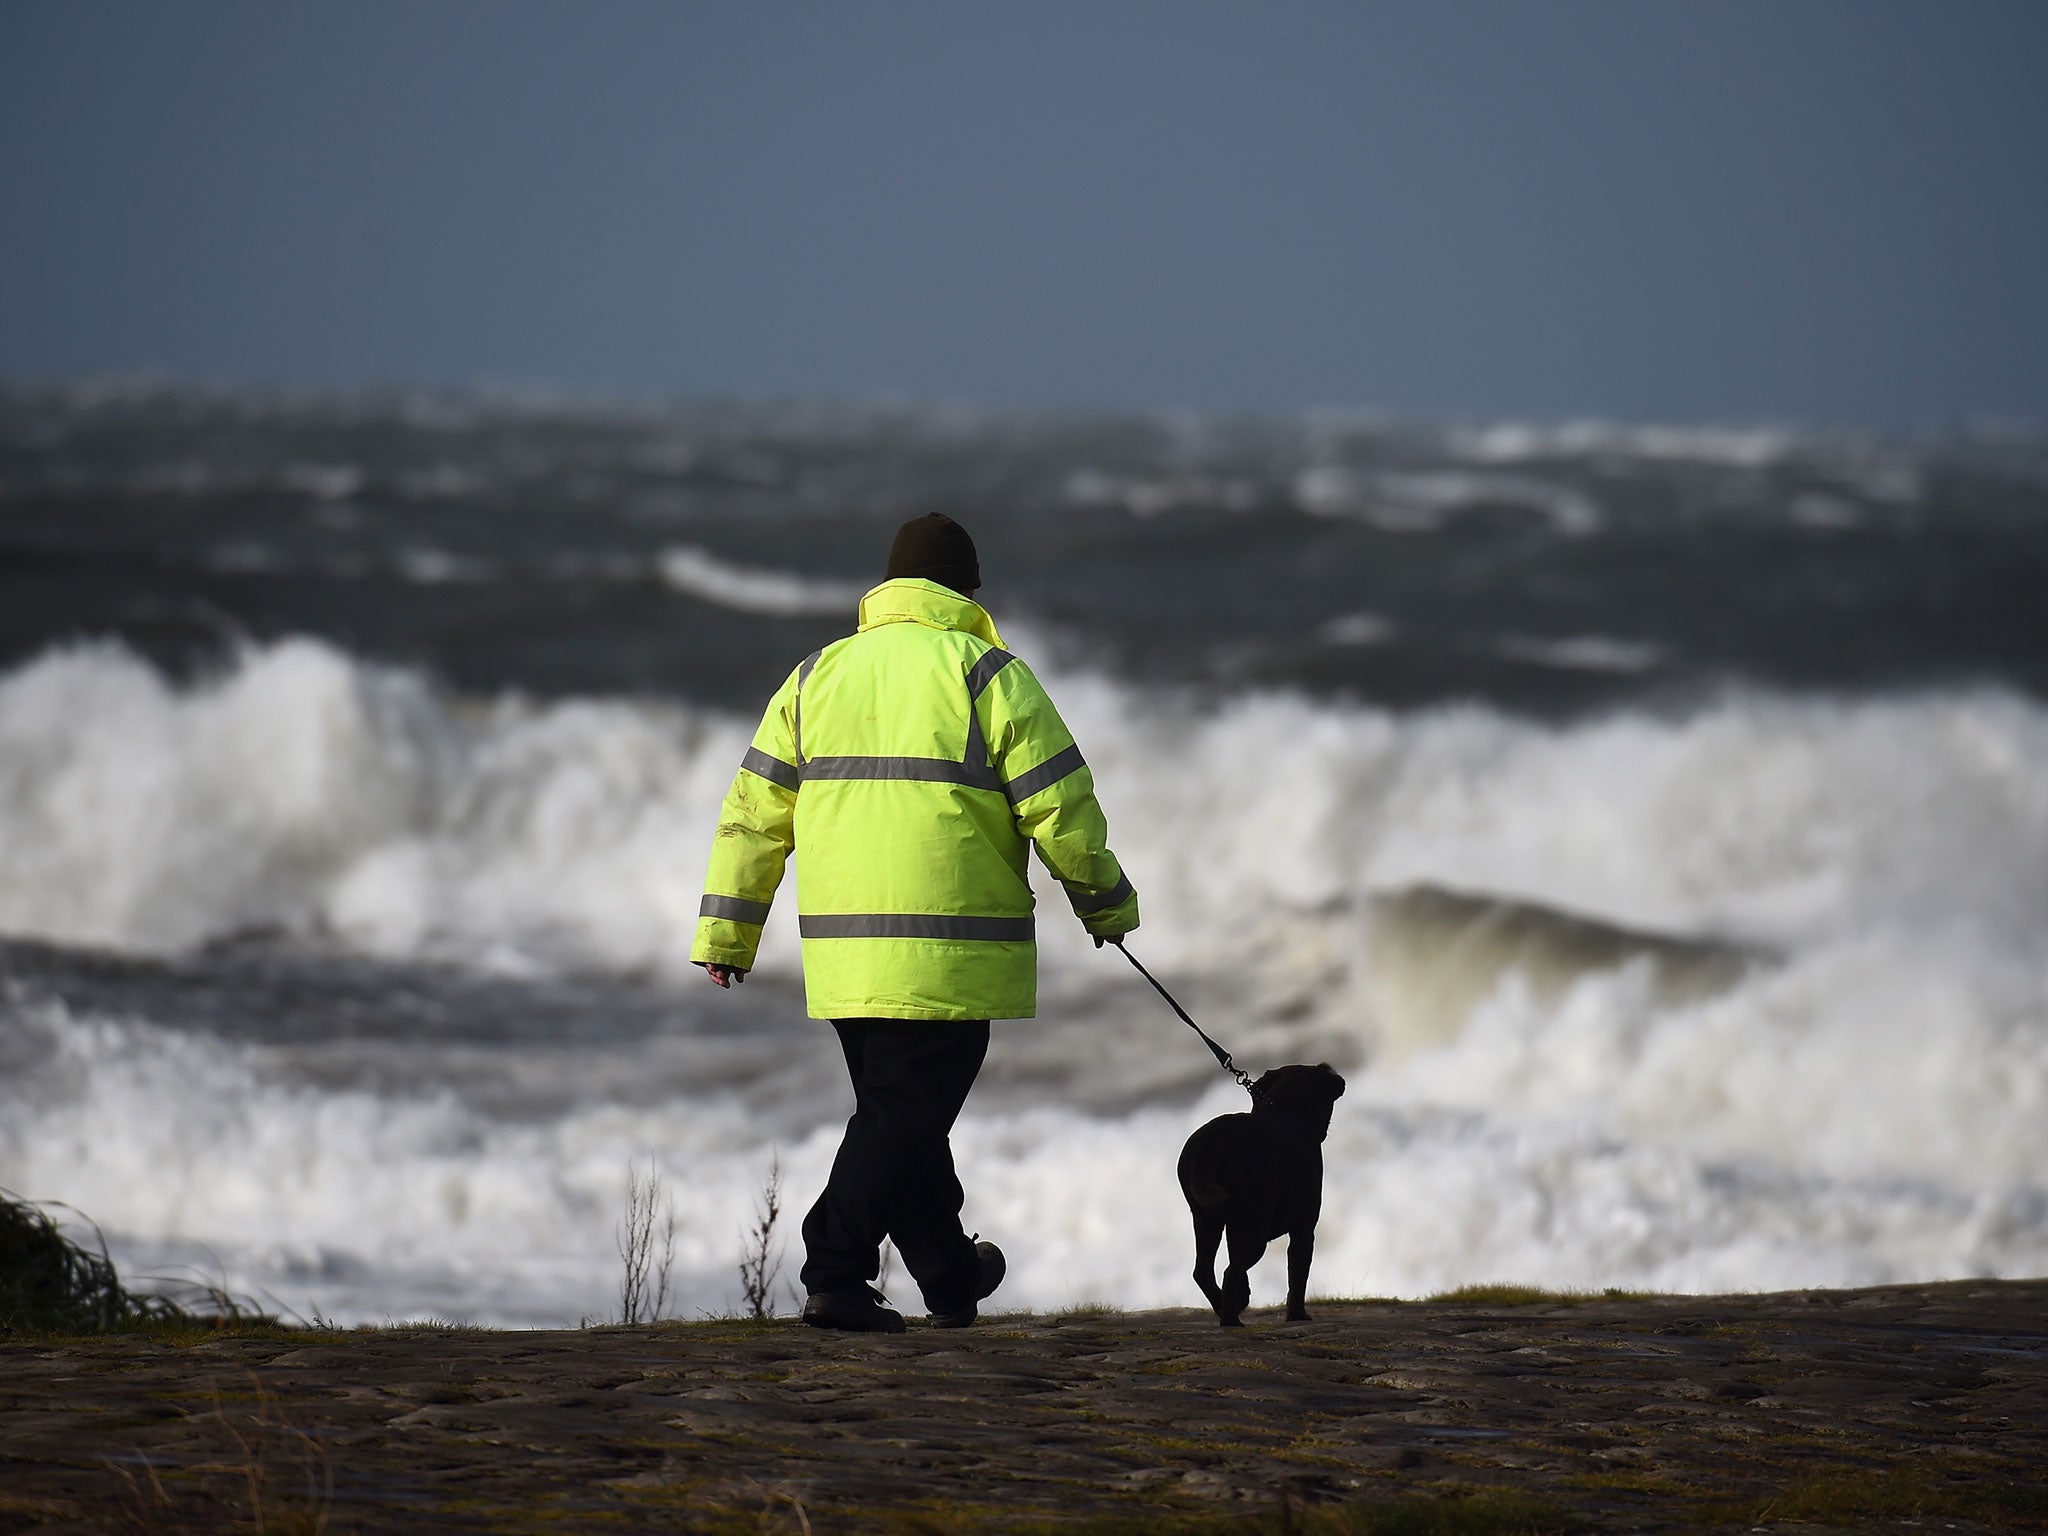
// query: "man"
[[909, 764]]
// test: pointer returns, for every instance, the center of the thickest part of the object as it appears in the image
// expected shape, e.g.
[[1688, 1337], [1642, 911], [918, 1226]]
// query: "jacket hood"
[[911, 599]]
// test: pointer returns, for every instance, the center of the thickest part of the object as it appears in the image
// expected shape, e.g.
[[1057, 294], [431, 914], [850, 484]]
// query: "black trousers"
[[894, 1175]]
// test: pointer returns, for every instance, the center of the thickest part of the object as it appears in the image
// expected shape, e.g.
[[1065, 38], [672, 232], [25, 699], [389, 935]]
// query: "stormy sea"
[[1651, 823]]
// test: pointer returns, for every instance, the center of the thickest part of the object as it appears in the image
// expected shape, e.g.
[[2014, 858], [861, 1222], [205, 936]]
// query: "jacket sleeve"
[[1052, 794], [756, 831]]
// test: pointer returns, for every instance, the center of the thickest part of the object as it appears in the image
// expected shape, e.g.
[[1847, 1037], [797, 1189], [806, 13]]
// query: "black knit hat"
[[935, 548]]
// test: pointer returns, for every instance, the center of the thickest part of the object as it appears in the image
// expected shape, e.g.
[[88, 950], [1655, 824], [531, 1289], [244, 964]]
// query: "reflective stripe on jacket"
[[908, 765]]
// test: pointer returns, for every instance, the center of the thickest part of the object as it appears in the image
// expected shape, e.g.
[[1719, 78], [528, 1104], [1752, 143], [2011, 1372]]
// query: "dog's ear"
[[1333, 1082]]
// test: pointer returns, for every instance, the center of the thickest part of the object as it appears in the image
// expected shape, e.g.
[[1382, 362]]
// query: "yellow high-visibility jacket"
[[907, 766]]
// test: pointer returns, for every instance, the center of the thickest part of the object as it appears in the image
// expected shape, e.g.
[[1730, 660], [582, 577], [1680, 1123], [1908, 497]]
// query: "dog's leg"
[[1237, 1282], [1301, 1251], [1208, 1233]]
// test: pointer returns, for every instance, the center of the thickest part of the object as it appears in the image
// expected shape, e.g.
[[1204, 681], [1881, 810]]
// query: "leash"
[[1222, 1056]]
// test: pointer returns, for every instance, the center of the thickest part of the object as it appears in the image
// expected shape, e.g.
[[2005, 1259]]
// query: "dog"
[[1256, 1177]]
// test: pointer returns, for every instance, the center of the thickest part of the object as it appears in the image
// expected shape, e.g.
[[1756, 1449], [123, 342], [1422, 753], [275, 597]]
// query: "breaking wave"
[[300, 789], [752, 589]]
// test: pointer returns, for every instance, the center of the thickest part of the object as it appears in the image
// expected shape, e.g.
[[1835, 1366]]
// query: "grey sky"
[[1824, 211]]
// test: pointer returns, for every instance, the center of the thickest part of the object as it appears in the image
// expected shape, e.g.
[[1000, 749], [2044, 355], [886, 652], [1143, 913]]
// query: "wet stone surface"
[[1673, 1413]]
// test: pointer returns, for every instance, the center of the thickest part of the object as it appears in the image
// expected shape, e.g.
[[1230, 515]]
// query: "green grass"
[[1499, 1295], [182, 1331], [1083, 1309]]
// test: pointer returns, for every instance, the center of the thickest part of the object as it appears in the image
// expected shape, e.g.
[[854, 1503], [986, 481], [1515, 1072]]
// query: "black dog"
[[1258, 1176]]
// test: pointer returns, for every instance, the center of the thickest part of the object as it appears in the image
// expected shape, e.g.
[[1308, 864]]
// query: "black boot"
[[859, 1311], [993, 1268]]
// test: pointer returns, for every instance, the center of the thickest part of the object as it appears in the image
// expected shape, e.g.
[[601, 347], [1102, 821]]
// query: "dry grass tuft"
[[277, 1479], [52, 1284]]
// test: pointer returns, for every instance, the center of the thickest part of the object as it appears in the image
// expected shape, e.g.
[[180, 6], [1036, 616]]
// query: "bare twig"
[[759, 1264], [643, 1288], [632, 1241], [668, 1259]]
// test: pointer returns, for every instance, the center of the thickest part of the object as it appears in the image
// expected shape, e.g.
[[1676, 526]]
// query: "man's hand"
[[1115, 938], [723, 975]]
